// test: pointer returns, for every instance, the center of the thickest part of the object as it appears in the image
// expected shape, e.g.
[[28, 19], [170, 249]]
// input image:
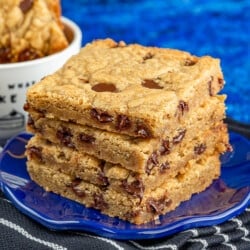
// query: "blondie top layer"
[[129, 89]]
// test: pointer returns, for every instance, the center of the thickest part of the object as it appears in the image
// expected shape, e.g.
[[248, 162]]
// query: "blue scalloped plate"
[[224, 199]]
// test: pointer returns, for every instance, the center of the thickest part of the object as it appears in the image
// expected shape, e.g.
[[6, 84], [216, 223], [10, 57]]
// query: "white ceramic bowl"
[[15, 78]]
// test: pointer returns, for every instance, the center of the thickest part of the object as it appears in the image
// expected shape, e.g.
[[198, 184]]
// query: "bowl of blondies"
[[35, 41]]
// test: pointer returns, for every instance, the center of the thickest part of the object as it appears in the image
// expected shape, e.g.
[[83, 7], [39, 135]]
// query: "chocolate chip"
[[189, 62], [142, 131], [35, 152], [210, 88], [164, 166], [86, 138], [154, 158], [132, 214], [123, 122], [27, 55], [31, 122], [165, 147], [220, 82], [104, 87], [103, 179], [101, 116], [149, 55], [157, 206], [200, 148], [183, 107], [72, 120], [65, 137], [135, 188], [26, 5], [178, 138], [26, 106], [151, 162], [99, 202], [75, 188], [151, 84], [5, 55]]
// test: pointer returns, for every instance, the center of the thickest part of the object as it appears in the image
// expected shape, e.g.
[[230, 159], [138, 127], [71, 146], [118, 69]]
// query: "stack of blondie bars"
[[130, 130]]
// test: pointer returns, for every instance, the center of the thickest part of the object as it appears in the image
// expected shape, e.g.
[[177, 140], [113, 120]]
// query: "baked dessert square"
[[130, 89], [139, 210], [82, 166], [137, 154], [130, 130]]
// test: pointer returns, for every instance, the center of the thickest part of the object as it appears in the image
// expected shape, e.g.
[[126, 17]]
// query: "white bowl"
[[15, 78]]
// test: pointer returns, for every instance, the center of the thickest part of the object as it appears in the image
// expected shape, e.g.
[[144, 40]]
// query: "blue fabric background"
[[218, 28]]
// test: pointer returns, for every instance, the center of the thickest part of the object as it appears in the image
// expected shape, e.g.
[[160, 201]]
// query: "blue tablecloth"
[[218, 28]]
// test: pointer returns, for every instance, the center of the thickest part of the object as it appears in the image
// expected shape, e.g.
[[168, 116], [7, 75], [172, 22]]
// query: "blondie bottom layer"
[[134, 153], [30, 29], [84, 167], [130, 89], [166, 197]]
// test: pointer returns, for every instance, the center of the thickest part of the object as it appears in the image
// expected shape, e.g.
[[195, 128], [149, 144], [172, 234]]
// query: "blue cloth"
[[218, 28]]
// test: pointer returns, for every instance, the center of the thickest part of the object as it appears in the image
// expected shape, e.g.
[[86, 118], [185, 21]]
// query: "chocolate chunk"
[[221, 82], [165, 147], [74, 185], [26, 5], [123, 122], [154, 158], [30, 122], [183, 107], [26, 106], [103, 179], [200, 148], [65, 137], [151, 162], [104, 87], [135, 188], [99, 202], [72, 120], [178, 138], [27, 55], [157, 206], [164, 166], [190, 62], [5, 55], [132, 214], [35, 152], [86, 138], [101, 116], [142, 131], [151, 84], [149, 55], [210, 88]]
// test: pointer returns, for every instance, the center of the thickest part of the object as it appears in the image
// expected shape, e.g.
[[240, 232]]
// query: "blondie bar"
[[129, 89], [138, 210], [135, 153]]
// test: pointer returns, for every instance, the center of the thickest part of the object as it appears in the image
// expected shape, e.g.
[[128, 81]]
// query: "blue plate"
[[224, 199]]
